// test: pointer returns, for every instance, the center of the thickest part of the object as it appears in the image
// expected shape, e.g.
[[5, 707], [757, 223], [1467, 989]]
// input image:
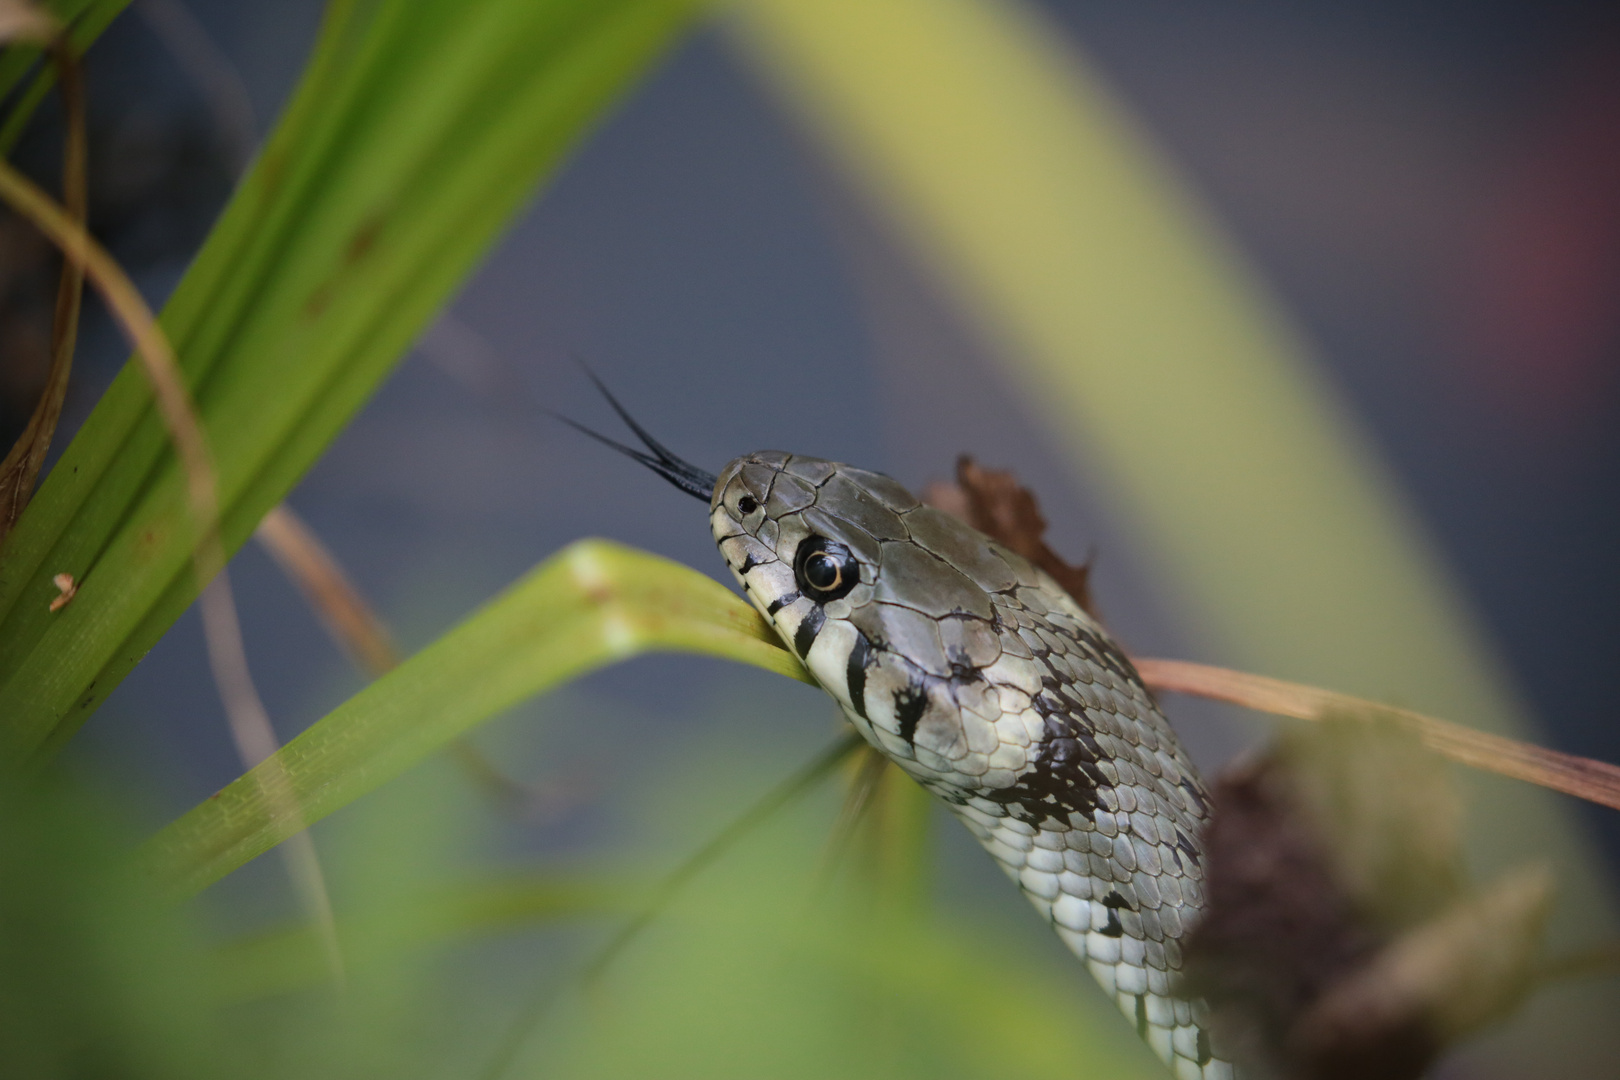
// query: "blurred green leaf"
[[761, 971], [417, 131], [291, 958], [98, 977], [591, 604]]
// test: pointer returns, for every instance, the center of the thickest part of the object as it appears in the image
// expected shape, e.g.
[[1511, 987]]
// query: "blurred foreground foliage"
[[762, 968]]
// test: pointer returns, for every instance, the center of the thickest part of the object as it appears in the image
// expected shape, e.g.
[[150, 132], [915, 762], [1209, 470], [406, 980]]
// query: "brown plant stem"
[[1584, 778], [20, 469]]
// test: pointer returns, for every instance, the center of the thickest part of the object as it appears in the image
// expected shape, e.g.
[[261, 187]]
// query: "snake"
[[976, 674]]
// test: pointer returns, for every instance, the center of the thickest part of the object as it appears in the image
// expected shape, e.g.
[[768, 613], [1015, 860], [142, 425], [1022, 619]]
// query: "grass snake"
[[976, 674]]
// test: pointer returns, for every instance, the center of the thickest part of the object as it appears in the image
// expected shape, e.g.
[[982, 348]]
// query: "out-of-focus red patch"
[[1537, 324]]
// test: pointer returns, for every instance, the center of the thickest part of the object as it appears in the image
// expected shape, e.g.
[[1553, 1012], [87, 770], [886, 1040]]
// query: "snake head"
[[924, 630], [894, 607]]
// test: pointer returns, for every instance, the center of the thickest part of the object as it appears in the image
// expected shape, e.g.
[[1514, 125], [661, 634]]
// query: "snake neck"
[[1059, 762]]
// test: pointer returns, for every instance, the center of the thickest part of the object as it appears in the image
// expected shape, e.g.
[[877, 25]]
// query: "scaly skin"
[[980, 677]]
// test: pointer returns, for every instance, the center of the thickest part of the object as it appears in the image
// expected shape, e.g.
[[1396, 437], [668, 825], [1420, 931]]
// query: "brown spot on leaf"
[[995, 503], [363, 240], [318, 301]]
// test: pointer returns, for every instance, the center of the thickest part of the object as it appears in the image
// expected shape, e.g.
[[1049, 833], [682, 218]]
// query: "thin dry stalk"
[[361, 634], [1584, 778], [342, 610], [249, 722], [21, 467]]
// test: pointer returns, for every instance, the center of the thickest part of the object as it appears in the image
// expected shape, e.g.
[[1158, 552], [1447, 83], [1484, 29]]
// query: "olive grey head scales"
[[975, 673]]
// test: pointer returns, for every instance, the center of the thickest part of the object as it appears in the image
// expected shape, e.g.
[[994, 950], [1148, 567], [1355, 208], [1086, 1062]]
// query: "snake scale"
[[975, 673]]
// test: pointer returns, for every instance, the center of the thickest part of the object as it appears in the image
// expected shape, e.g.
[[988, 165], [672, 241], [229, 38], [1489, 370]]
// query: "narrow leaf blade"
[[591, 604]]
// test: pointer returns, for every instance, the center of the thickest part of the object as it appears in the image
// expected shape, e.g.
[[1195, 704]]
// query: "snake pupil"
[[822, 572], [825, 569]]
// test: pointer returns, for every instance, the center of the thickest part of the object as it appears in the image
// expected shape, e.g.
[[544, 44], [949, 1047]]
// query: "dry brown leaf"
[[995, 503], [1278, 929], [1339, 940], [1435, 984]]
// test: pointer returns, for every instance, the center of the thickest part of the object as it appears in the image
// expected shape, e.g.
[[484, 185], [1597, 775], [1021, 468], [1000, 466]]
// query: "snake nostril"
[[747, 505]]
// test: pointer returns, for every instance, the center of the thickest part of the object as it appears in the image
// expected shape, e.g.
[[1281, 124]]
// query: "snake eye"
[[825, 569], [747, 505]]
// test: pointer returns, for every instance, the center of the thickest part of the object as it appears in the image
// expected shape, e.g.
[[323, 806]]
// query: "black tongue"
[[684, 475]]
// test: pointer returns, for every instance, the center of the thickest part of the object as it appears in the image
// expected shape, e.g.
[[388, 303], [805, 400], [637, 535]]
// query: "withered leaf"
[[1384, 808], [1448, 977], [1339, 940], [1279, 929], [995, 503]]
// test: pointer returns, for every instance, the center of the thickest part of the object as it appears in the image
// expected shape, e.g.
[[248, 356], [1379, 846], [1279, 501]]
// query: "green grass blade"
[[591, 604], [418, 130]]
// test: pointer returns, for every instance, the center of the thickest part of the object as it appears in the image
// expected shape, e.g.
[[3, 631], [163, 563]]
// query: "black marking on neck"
[[1064, 778], [809, 627], [1108, 654], [963, 671], [855, 675], [1141, 1016], [1113, 902], [1112, 927], [781, 602], [909, 705]]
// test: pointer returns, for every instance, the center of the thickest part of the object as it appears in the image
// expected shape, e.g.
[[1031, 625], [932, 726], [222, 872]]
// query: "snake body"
[[982, 679]]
